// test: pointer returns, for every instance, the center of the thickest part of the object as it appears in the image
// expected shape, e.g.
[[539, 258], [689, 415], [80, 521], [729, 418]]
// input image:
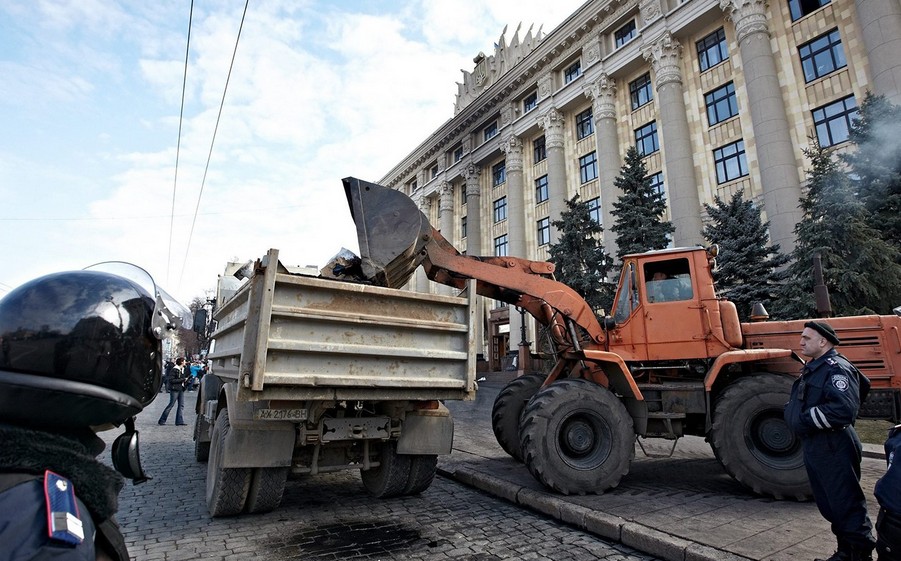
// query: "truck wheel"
[[267, 485], [422, 472], [390, 478], [507, 410], [226, 488], [752, 440], [201, 448], [577, 437]]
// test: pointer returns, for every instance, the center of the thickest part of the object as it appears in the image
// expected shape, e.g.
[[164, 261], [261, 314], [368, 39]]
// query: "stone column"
[[664, 54], [446, 221], [422, 281], [516, 219], [880, 23], [474, 243], [602, 93], [779, 168], [552, 124]]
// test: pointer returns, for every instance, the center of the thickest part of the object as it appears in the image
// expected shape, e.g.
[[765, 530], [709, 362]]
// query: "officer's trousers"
[[832, 459], [888, 529]]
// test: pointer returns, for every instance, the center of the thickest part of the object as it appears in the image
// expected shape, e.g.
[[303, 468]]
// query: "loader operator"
[[821, 411]]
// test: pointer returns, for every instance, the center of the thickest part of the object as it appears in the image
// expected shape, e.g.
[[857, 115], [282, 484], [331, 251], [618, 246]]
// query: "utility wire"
[[212, 142], [181, 116]]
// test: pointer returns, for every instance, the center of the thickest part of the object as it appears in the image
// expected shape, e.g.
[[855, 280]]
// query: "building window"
[[490, 131], [712, 49], [412, 185], [801, 8], [833, 121], [530, 102], [822, 56], [646, 139], [573, 72], [538, 149], [584, 124], [624, 34], [730, 162], [594, 209], [499, 173], [434, 171], [541, 189], [640, 91], [588, 167], [656, 180], [500, 209], [500, 246], [544, 231], [463, 227], [721, 104], [458, 154]]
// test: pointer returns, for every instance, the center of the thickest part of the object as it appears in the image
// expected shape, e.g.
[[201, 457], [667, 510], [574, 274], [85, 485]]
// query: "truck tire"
[[422, 472], [752, 441], [507, 410], [201, 448], [267, 485], [577, 437], [390, 478], [226, 488]]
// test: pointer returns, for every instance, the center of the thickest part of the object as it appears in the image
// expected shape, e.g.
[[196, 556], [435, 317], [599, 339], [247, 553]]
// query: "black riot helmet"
[[83, 348]]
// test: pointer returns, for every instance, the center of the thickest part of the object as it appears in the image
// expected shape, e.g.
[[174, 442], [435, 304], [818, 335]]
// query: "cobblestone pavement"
[[329, 516]]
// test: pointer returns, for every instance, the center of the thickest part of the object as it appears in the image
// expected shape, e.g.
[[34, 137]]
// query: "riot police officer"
[[821, 411], [888, 493], [81, 352]]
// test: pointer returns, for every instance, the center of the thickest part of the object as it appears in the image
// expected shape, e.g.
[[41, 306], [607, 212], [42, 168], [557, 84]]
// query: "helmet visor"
[[168, 313]]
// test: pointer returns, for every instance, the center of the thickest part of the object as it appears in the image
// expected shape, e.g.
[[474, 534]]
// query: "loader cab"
[[666, 307]]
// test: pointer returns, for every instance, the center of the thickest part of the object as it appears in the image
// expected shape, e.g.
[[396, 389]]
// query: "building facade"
[[717, 95]]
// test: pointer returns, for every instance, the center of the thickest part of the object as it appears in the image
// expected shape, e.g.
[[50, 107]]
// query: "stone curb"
[[607, 526]]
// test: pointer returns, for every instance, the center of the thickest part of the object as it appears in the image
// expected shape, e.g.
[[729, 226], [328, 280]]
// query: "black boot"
[[844, 553]]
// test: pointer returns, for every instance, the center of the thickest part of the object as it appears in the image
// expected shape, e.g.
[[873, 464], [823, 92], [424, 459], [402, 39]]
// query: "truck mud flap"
[[426, 434]]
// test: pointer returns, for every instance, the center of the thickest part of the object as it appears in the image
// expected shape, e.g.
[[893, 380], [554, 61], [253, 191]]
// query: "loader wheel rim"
[[771, 441], [584, 441]]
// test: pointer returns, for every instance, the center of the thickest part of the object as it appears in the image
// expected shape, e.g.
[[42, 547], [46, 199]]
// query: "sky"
[[90, 104]]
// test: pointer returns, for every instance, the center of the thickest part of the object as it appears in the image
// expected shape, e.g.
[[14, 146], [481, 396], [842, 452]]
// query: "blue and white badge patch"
[[841, 382]]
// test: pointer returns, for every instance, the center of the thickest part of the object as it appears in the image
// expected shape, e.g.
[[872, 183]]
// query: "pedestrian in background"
[[888, 493], [821, 412], [177, 380]]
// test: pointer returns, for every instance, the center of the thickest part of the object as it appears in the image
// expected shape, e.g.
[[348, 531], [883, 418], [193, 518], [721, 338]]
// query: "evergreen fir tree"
[[860, 269], [579, 256], [747, 267], [876, 164], [639, 210]]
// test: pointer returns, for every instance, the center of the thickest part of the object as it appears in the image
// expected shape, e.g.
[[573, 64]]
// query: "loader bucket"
[[391, 230]]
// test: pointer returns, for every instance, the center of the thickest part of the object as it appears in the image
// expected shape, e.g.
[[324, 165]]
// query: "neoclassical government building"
[[717, 95]]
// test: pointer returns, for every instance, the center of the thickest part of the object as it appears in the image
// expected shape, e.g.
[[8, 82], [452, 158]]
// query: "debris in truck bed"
[[345, 265]]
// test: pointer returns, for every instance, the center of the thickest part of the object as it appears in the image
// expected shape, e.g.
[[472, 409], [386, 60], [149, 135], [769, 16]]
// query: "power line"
[[213, 142], [181, 116]]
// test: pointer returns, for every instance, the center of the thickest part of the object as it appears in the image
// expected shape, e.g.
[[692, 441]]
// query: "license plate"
[[280, 415]]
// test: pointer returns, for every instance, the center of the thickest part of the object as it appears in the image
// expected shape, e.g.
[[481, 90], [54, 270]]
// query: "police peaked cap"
[[825, 330]]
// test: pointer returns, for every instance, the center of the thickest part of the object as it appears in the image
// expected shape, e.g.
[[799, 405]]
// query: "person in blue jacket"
[[81, 352], [888, 493], [821, 412]]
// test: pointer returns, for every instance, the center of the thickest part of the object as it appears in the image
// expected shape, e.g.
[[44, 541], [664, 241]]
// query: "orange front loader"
[[671, 360]]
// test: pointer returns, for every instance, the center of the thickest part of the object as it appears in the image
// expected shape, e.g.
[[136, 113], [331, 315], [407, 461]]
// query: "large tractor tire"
[[422, 471], [752, 441], [507, 411], [267, 485], [577, 437], [226, 488], [390, 478]]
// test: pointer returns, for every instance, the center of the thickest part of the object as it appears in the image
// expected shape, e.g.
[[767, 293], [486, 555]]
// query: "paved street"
[[330, 516]]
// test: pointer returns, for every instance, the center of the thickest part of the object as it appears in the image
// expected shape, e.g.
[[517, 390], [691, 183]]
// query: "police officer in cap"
[[888, 493], [80, 352], [824, 403]]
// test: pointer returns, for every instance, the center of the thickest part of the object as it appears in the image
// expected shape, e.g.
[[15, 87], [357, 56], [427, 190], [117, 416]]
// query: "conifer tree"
[[639, 210], [747, 267], [876, 164], [860, 269], [579, 256]]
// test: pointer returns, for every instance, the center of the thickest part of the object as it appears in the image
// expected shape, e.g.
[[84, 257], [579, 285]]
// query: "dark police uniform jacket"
[[827, 395]]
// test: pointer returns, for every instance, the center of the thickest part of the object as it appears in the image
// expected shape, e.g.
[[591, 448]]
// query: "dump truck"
[[672, 360], [310, 375]]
